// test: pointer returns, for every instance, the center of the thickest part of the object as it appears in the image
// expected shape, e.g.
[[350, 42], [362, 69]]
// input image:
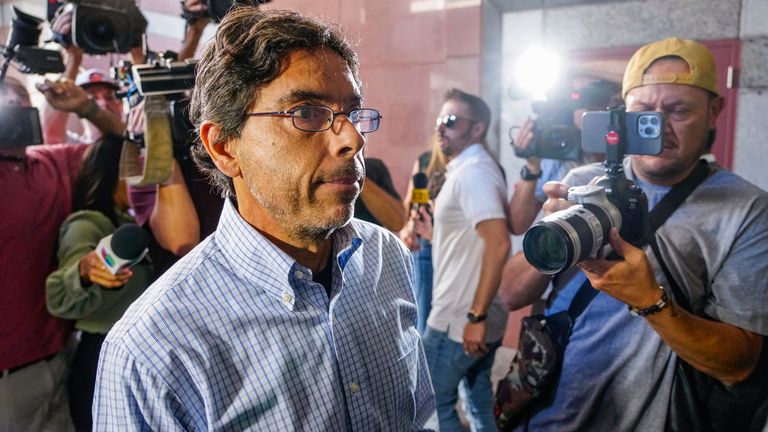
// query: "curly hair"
[[248, 52]]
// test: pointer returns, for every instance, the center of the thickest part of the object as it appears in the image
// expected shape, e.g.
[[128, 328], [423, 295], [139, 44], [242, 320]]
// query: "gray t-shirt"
[[617, 372]]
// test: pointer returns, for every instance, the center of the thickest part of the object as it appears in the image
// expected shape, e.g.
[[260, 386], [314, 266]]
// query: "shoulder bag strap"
[[663, 210]]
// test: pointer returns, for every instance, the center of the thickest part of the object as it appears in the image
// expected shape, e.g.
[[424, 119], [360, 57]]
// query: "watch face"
[[526, 174]]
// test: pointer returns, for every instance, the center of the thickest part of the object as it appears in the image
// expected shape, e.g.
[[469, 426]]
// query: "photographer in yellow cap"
[[696, 298]]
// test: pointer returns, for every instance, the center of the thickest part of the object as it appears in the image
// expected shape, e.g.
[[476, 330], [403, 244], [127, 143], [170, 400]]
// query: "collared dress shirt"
[[236, 336]]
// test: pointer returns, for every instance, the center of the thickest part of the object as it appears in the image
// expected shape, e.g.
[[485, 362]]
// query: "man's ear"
[[478, 130], [715, 108], [219, 150]]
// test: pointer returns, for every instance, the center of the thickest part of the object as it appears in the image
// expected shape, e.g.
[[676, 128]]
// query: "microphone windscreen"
[[420, 181], [129, 241]]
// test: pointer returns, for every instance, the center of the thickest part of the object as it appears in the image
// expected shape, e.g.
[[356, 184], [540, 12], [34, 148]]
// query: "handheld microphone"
[[123, 248], [420, 194]]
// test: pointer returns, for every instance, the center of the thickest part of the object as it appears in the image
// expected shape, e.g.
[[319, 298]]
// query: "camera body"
[[165, 76], [217, 9], [565, 238], [103, 26], [554, 134], [19, 127]]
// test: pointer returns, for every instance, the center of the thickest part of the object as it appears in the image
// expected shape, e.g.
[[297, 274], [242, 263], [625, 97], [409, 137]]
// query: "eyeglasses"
[[317, 118], [449, 120]]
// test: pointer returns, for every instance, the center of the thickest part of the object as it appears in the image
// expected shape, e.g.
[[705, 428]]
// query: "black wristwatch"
[[527, 175], [475, 318]]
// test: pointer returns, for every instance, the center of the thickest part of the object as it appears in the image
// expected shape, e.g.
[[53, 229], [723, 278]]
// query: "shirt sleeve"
[[131, 397], [740, 285], [66, 296]]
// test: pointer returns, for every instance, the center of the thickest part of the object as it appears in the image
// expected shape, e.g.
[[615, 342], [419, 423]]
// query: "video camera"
[[101, 26], [554, 134], [564, 238], [217, 9], [20, 126], [164, 76]]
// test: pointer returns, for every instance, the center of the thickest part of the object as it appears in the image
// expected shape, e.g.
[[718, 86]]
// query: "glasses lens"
[[449, 121], [312, 118], [366, 120]]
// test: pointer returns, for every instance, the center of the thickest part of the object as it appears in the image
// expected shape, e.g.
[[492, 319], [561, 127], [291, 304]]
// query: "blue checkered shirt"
[[236, 337]]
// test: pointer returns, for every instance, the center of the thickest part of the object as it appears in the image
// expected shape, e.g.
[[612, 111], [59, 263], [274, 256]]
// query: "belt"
[[6, 372]]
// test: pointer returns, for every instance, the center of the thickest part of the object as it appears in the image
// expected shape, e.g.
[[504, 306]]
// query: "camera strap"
[[663, 210]]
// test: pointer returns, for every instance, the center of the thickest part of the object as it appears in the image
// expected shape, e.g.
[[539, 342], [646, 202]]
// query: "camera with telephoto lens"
[[554, 134], [102, 26], [217, 9], [564, 238], [20, 126]]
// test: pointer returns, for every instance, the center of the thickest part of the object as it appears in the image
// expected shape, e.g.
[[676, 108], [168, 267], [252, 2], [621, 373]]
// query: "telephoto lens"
[[562, 239]]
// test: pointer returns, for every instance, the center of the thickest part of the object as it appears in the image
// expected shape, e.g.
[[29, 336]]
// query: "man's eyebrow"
[[299, 96]]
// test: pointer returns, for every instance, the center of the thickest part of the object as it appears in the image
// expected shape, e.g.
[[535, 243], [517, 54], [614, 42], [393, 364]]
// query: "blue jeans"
[[448, 365], [422, 272]]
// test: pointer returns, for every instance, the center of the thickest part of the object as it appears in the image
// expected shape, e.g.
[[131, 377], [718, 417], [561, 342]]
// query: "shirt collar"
[[471, 150], [255, 258]]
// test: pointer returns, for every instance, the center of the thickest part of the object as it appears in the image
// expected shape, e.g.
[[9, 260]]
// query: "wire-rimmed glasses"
[[318, 118]]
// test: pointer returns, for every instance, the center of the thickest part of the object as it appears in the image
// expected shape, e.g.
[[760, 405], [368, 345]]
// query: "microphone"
[[420, 194], [123, 248]]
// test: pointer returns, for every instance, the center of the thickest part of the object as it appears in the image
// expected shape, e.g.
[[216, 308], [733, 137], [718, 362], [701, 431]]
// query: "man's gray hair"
[[248, 53]]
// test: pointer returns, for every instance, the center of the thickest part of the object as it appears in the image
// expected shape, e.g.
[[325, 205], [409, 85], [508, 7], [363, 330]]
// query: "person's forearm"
[[174, 219], [191, 39], [495, 252], [387, 209], [54, 123], [720, 350], [107, 122], [523, 207], [521, 284], [72, 67]]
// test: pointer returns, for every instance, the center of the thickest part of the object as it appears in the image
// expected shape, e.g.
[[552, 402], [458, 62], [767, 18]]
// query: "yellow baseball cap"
[[702, 66]]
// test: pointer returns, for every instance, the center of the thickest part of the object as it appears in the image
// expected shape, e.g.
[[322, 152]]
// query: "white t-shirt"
[[474, 191]]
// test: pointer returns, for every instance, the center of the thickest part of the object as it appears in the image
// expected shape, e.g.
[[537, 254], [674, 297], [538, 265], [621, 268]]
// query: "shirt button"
[[354, 388], [287, 297], [299, 275]]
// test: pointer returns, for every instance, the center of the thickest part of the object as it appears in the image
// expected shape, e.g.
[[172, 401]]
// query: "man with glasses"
[[290, 316], [470, 245]]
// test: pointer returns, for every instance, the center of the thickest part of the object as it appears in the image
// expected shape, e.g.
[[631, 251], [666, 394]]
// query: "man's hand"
[[409, 237], [630, 280], [556, 197], [64, 95], [422, 223], [523, 141], [92, 270], [474, 339]]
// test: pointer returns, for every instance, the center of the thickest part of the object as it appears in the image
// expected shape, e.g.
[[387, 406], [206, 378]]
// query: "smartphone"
[[19, 127], [644, 132]]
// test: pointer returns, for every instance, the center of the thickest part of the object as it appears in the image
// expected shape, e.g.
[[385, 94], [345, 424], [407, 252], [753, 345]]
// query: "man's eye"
[[305, 112]]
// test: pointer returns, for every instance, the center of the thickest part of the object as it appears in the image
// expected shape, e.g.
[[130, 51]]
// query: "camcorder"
[[554, 134], [217, 9], [563, 239], [20, 126], [101, 26], [164, 76]]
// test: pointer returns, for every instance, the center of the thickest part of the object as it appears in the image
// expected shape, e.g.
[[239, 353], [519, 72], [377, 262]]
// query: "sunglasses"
[[449, 120]]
